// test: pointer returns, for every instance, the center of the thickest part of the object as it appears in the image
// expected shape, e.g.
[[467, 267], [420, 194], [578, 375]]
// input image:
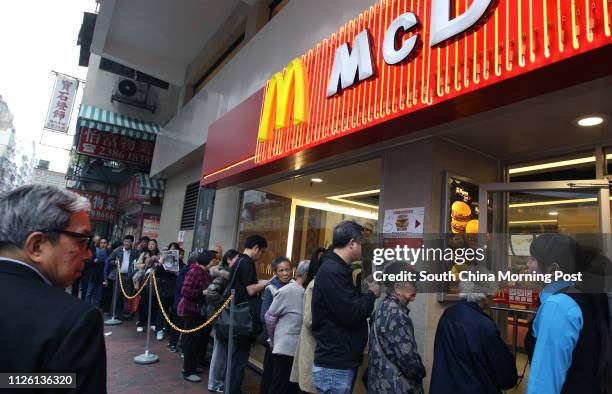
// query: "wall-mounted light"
[[316, 180]]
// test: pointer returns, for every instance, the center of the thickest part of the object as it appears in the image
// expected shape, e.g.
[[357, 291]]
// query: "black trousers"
[[240, 359], [266, 376], [281, 372], [173, 336], [193, 344]]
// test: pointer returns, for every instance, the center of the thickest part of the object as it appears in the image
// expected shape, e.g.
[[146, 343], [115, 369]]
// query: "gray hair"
[[392, 288], [36, 207], [476, 292], [302, 268]]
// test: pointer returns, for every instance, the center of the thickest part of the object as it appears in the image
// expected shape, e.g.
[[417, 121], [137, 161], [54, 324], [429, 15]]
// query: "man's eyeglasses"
[[85, 240]]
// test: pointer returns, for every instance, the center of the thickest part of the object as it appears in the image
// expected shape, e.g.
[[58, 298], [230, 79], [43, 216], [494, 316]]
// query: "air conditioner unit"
[[135, 93]]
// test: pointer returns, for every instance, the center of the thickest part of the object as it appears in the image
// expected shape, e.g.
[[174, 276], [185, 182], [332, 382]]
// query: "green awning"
[[150, 187], [113, 122]]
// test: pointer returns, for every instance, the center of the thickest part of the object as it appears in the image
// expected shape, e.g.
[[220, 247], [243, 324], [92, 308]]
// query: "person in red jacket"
[[192, 297]]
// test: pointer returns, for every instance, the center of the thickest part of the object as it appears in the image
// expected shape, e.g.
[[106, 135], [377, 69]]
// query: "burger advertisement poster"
[[463, 206], [404, 221]]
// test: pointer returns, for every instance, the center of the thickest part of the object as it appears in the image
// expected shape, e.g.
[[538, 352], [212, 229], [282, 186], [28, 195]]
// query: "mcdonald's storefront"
[[412, 106]]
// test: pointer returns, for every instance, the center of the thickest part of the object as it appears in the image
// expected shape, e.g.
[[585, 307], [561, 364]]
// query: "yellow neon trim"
[[606, 18], [574, 27], [498, 67], [587, 18], [229, 167], [294, 84], [560, 27], [521, 45], [532, 53], [545, 28]]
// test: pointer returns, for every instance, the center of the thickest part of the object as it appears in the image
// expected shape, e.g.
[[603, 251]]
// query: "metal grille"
[[190, 206]]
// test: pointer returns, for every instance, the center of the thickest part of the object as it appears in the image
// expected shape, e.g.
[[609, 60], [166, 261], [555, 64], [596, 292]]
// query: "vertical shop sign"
[[62, 101], [150, 226]]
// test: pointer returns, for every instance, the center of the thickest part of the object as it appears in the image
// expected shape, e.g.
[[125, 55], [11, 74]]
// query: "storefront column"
[[225, 218], [413, 177]]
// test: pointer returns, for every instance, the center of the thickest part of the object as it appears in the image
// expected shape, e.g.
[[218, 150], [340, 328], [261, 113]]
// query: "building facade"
[[489, 113], [16, 154]]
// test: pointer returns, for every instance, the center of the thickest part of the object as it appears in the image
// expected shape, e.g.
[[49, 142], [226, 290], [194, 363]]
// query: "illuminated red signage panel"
[[512, 38]]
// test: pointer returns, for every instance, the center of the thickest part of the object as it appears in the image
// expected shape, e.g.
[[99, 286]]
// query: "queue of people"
[[314, 322], [317, 321]]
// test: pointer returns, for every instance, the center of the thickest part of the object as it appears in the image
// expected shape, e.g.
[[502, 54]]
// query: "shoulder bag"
[[244, 323]]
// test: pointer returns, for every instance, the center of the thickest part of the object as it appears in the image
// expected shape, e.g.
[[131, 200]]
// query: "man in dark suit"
[[45, 236]]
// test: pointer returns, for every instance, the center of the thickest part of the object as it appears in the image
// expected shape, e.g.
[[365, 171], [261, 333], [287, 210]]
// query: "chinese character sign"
[[117, 147], [102, 205], [62, 101], [150, 226]]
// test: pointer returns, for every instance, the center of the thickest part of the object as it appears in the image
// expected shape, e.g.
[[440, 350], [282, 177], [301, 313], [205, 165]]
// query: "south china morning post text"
[[459, 256]]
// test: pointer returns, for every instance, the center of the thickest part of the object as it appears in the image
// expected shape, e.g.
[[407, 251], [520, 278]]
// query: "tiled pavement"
[[125, 376]]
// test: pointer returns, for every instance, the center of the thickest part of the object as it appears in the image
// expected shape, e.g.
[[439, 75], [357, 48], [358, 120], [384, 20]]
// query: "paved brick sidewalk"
[[125, 376]]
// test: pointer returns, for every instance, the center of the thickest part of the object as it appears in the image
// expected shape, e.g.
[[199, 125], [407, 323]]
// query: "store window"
[[298, 215]]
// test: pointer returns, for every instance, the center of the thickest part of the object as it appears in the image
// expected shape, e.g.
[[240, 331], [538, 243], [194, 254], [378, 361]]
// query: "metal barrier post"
[[113, 321], [230, 345], [146, 357]]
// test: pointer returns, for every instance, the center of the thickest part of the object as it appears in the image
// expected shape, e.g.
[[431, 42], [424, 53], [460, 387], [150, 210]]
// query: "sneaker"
[[153, 328], [217, 390], [139, 329], [193, 378], [160, 335], [173, 349]]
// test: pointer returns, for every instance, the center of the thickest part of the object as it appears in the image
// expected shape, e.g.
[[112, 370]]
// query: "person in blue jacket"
[[568, 341]]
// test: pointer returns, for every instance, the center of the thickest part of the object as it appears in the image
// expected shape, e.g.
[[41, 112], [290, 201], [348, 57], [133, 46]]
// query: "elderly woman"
[[394, 364], [283, 274], [470, 355], [283, 322]]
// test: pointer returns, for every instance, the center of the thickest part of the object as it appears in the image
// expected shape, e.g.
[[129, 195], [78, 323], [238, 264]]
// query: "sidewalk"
[[125, 376]]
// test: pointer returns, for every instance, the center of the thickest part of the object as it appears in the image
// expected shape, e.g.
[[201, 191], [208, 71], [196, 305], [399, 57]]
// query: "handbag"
[[132, 304], [244, 323]]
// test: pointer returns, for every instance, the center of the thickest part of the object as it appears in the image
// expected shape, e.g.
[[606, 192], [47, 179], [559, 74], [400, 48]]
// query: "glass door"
[[516, 213]]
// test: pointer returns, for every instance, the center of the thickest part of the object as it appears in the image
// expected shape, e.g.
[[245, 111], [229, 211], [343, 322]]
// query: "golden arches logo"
[[286, 94]]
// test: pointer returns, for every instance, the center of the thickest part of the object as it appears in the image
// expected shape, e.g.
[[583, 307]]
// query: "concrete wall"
[[413, 177], [296, 29], [99, 89], [172, 207]]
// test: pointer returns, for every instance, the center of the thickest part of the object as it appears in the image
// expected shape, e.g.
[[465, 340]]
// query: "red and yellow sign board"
[[519, 36]]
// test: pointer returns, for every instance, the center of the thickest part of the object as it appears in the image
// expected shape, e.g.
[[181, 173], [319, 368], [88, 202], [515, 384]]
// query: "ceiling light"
[[553, 213], [316, 180], [545, 166], [590, 121]]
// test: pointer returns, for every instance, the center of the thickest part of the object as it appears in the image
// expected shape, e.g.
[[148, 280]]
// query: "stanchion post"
[[230, 345], [113, 321], [146, 357]]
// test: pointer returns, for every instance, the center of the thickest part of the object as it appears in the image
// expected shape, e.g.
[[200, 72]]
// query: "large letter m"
[[285, 95]]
